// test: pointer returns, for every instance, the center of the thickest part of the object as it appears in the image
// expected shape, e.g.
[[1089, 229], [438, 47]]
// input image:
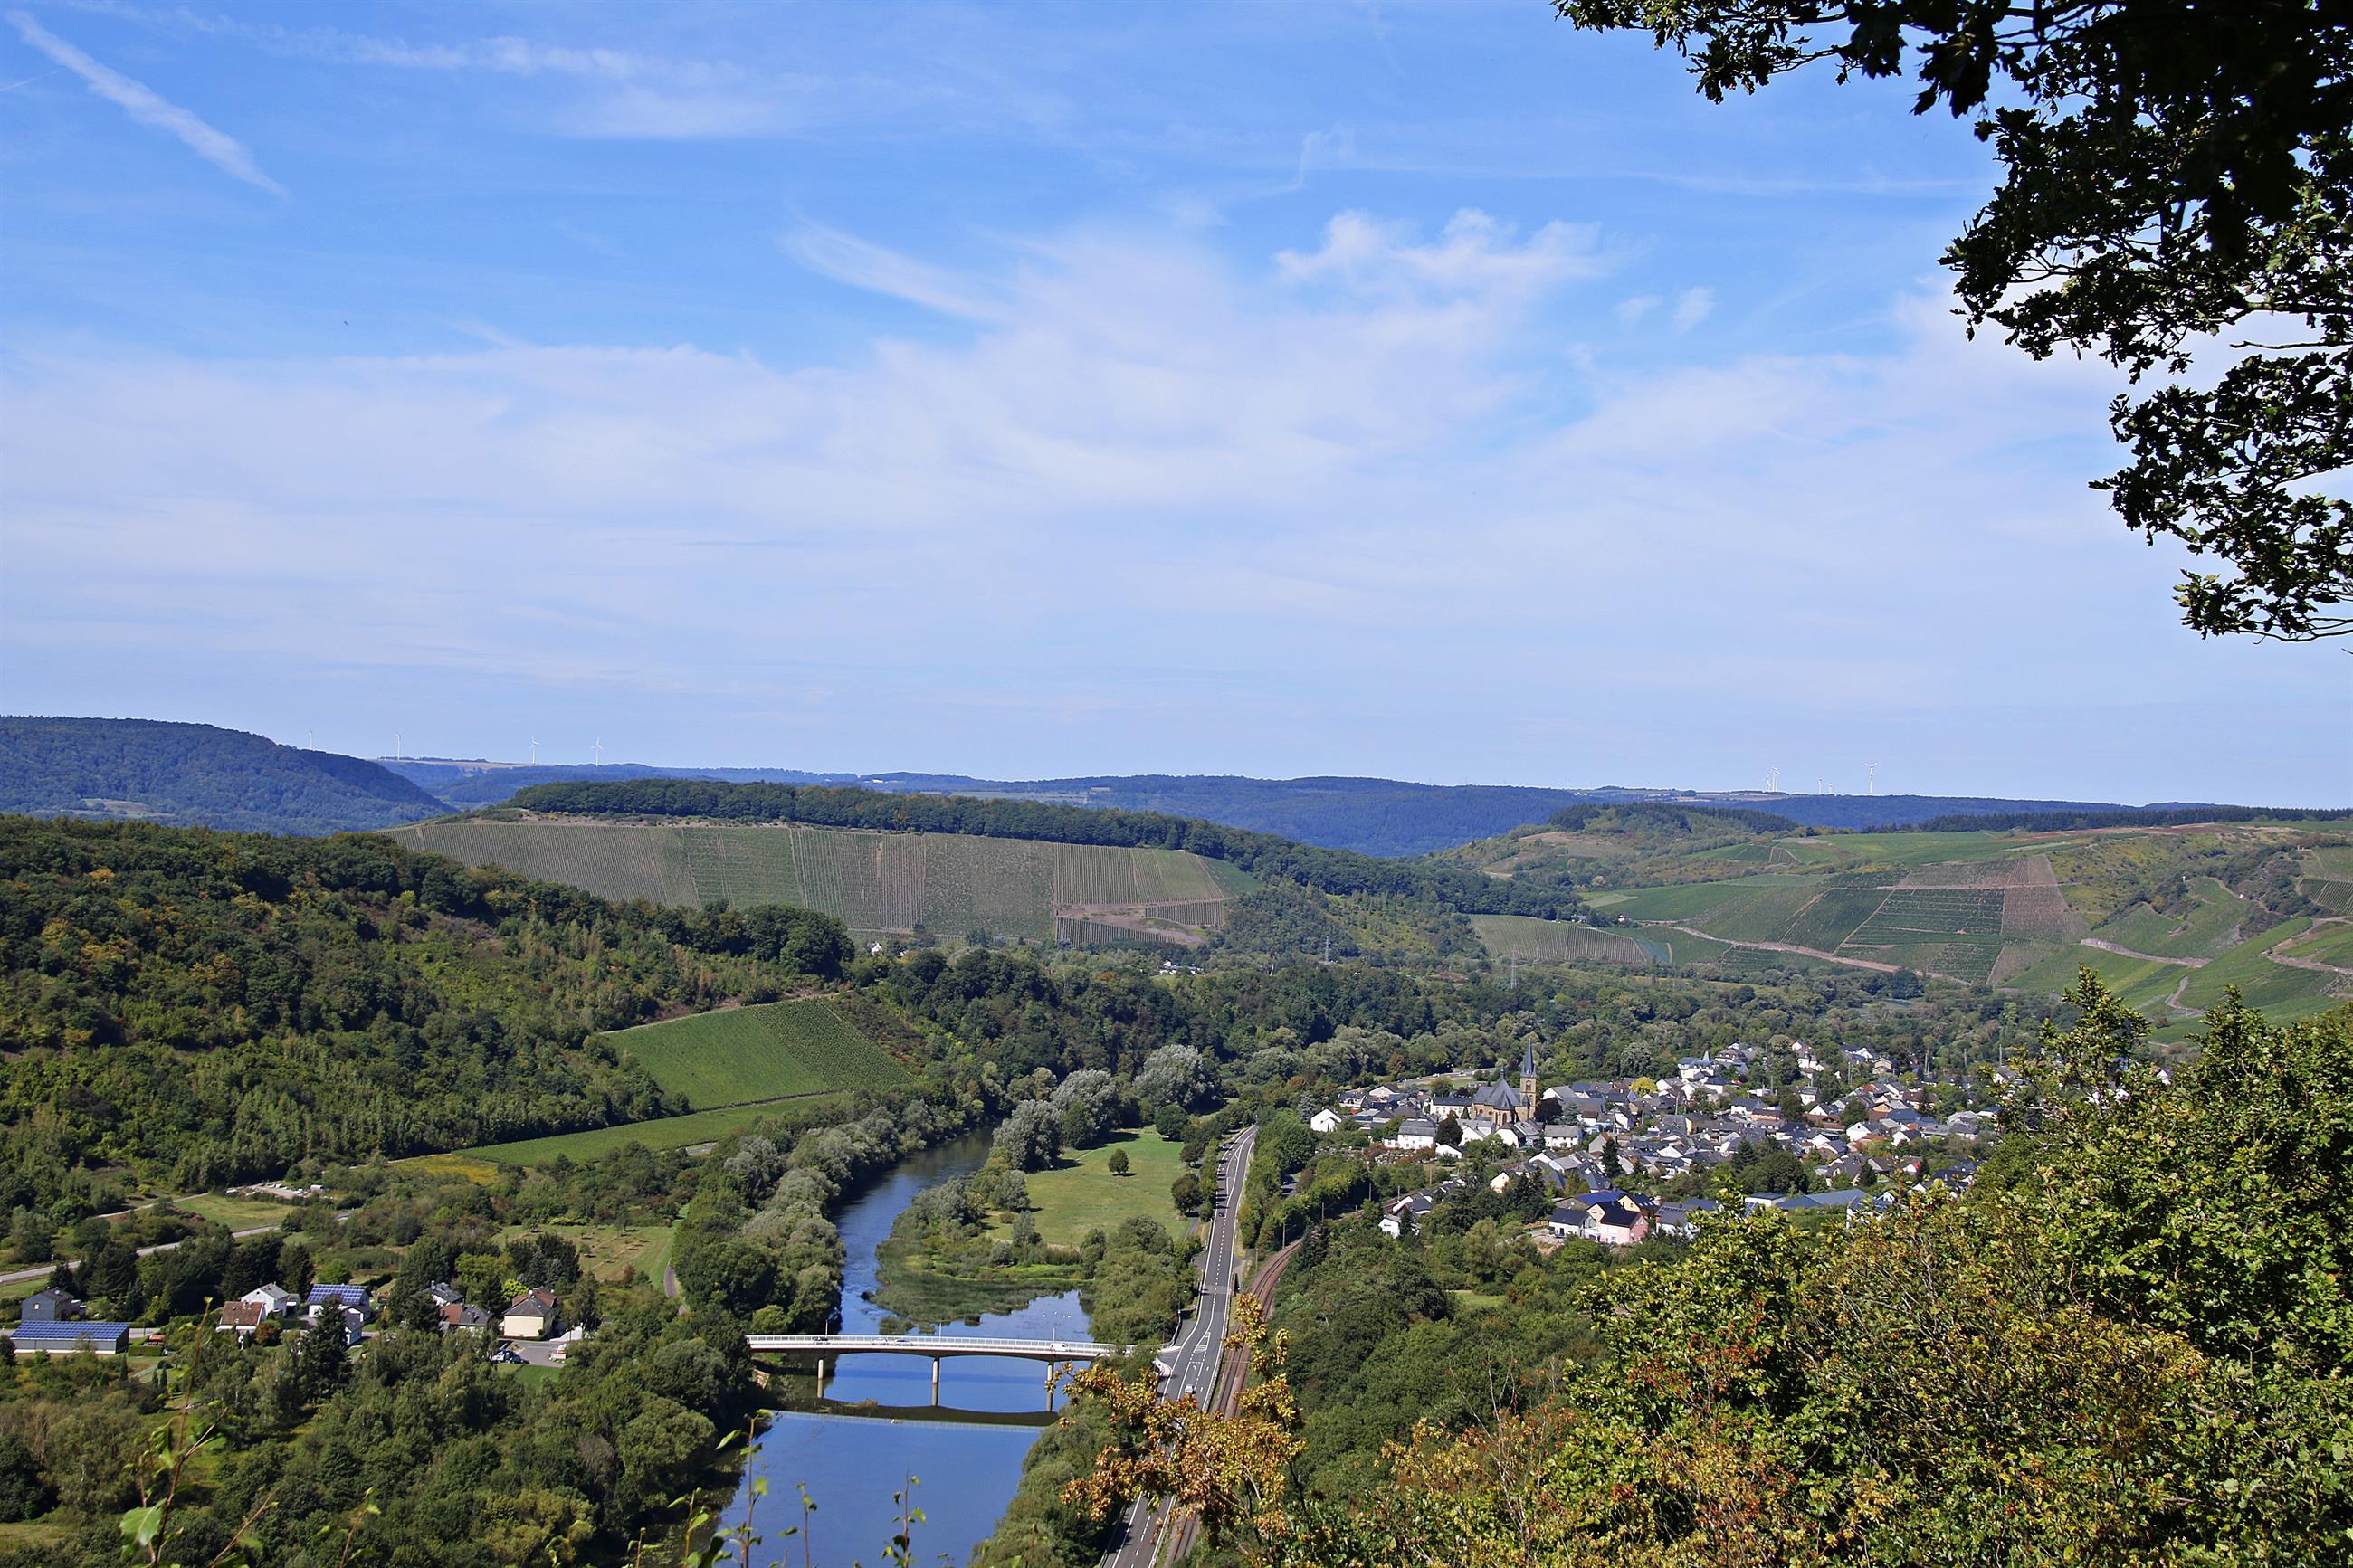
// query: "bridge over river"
[[1055, 1354]]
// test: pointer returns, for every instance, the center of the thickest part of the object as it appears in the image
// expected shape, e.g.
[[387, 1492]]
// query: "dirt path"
[[2289, 961], [2144, 957]]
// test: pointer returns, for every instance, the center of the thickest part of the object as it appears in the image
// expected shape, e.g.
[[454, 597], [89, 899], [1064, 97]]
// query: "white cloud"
[[1691, 308], [1635, 307], [143, 104], [1172, 499]]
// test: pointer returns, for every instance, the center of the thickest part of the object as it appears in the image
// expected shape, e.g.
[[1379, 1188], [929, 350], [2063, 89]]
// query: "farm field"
[[875, 883], [1556, 942], [777, 1050], [238, 1214], [1082, 1194], [666, 1132]]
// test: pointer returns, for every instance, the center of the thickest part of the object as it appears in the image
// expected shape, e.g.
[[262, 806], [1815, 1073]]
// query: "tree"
[[2177, 186], [1185, 1192], [1117, 1164], [1030, 1139]]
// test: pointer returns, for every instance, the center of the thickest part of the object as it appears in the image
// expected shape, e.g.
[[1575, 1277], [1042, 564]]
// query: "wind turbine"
[[600, 754], [1870, 778], [534, 753]]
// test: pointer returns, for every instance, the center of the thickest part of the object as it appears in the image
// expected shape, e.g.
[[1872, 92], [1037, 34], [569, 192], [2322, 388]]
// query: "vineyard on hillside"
[[877, 883]]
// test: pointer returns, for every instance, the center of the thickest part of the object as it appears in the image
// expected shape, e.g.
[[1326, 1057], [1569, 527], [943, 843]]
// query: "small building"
[[241, 1318], [54, 1338], [351, 1298], [1416, 1134], [275, 1300], [1326, 1120], [534, 1315], [49, 1306], [462, 1316]]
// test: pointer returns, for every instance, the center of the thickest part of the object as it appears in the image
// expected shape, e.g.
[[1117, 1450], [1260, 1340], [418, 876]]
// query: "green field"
[[2207, 928], [665, 1132], [739, 1054], [876, 883], [1558, 941], [610, 1251], [1081, 1195]]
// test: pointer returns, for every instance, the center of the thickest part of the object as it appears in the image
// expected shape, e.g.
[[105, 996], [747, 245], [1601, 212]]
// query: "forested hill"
[[194, 775], [206, 1007], [1341, 871]]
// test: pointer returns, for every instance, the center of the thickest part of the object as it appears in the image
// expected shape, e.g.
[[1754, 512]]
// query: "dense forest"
[[1261, 854], [203, 1007], [194, 775]]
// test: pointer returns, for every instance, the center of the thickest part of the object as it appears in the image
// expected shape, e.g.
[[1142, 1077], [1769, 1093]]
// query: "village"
[[1632, 1159], [530, 1330]]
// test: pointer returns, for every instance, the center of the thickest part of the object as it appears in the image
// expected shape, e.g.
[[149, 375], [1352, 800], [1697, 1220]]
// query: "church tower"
[[1528, 1092]]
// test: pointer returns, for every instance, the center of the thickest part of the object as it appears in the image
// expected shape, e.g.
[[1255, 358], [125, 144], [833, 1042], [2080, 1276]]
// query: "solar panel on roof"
[[98, 1334]]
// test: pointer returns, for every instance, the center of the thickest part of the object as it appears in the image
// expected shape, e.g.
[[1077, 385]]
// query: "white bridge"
[[1055, 1354]]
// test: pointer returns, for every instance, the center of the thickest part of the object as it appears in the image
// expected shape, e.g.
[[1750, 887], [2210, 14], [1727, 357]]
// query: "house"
[[56, 1336], [275, 1300], [1616, 1223], [460, 1315], [50, 1305], [1416, 1134], [241, 1318], [1681, 1220], [534, 1315], [350, 1298], [1567, 1218], [1326, 1120], [441, 1293], [1404, 1213]]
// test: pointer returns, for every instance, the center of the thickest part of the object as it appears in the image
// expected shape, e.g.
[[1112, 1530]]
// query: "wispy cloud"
[[146, 106], [862, 264], [1693, 307]]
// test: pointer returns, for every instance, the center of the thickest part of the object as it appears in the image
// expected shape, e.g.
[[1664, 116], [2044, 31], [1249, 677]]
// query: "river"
[[853, 1464]]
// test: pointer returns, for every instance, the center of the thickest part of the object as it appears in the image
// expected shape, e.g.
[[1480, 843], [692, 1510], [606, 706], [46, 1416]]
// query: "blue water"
[[853, 1464]]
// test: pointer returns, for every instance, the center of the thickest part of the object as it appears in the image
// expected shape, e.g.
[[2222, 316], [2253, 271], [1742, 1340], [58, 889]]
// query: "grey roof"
[[68, 1332]]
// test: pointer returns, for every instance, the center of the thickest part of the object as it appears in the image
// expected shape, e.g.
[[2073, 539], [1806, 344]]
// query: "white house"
[[1328, 1121]]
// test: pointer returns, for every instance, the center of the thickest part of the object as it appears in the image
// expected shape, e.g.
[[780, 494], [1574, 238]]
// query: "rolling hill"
[[194, 775], [876, 883], [2171, 916], [1391, 817]]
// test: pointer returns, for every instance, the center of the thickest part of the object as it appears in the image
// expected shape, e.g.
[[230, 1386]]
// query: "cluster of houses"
[[1581, 1139], [52, 1321]]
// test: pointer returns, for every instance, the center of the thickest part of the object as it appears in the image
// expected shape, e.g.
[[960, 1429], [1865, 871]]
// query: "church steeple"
[[1529, 1082]]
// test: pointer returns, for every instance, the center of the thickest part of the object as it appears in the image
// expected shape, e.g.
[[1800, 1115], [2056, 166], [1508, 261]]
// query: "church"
[[1500, 1104]]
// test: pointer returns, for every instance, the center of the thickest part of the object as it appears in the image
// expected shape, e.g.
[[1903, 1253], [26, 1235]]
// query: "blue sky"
[[1427, 391]]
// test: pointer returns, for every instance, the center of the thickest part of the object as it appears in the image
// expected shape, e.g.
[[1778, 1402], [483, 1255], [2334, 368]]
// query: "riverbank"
[[999, 1238]]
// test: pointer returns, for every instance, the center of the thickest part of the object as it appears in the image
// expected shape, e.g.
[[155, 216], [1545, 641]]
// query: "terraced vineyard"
[[876, 883], [2140, 906], [1559, 942]]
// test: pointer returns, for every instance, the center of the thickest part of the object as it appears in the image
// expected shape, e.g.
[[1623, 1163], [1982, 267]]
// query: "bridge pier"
[[821, 1377], [935, 1381]]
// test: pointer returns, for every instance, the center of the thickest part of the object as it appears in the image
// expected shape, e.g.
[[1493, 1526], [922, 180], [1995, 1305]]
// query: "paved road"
[[46, 1269], [1201, 1343]]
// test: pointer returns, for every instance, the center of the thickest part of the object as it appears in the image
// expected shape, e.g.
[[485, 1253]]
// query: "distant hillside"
[[2170, 913], [878, 884], [1261, 855], [194, 775], [1390, 817]]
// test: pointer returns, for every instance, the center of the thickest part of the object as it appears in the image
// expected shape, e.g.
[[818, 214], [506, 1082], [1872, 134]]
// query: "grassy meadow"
[[1080, 1193], [737, 1056]]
